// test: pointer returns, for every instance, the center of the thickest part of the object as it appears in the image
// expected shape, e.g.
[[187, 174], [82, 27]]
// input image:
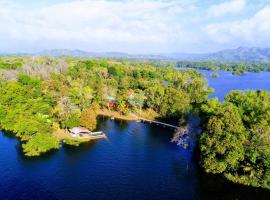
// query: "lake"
[[137, 161], [227, 82]]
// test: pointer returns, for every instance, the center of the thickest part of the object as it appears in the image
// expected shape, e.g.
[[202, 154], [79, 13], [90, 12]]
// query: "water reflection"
[[214, 187], [84, 147]]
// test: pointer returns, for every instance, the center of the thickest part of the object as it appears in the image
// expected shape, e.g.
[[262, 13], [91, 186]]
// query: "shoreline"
[[144, 114], [116, 115]]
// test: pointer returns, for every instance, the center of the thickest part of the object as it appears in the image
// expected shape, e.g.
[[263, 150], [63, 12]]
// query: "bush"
[[40, 143], [89, 119]]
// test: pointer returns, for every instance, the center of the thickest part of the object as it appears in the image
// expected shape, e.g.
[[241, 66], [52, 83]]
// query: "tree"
[[137, 101], [155, 96], [40, 143], [80, 95], [88, 118], [222, 142], [64, 108], [175, 103], [236, 138]]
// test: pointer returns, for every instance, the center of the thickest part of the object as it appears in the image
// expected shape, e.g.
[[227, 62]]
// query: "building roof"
[[130, 93], [77, 130], [110, 98]]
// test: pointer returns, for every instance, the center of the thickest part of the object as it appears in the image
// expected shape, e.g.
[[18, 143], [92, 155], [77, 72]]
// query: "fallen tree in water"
[[188, 132]]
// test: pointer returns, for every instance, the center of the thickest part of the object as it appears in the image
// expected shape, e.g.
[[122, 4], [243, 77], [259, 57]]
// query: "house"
[[130, 94], [111, 102], [79, 132]]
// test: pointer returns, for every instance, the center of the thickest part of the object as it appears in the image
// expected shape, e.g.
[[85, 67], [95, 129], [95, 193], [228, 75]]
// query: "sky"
[[133, 26]]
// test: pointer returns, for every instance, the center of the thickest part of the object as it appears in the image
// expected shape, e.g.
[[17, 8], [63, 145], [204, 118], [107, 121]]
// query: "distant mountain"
[[63, 52], [241, 54], [80, 53]]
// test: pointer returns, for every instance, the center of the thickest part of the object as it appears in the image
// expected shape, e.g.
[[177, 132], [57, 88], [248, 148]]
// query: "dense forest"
[[236, 68], [41, 95], [236, 137]]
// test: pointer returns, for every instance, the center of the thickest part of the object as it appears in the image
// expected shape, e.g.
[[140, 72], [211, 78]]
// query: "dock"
[[97, 135], [159, 123]]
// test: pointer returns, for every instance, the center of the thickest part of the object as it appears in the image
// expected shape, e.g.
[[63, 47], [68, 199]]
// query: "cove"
[[138, 161]]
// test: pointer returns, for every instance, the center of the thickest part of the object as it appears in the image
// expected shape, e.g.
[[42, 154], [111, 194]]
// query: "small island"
[[215, 75]]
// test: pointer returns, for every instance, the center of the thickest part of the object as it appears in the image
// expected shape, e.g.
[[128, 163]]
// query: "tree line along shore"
[[40, 96], [237, 68]]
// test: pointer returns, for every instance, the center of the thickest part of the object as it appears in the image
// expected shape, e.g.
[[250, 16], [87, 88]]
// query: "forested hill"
[[241, 54]]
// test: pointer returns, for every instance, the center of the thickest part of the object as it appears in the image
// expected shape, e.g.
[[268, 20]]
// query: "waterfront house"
[[79, 132], [130, 94], [111, 102]]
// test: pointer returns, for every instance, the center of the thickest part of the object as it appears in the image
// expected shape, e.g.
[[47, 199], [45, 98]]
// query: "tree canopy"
[[236, 137]]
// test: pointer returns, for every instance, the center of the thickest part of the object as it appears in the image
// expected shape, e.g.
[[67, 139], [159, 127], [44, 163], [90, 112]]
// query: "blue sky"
[[134, 26]]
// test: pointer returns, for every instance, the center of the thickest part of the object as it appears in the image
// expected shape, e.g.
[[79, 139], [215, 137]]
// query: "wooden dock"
[[159, 123], [97, 135]]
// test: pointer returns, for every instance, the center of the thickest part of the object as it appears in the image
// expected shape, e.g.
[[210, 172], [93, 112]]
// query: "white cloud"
[[134, 26], [227, 7], [95, 24], [252, 31]]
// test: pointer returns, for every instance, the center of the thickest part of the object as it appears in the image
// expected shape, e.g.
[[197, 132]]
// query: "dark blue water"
[[227, 82], [138, 161]]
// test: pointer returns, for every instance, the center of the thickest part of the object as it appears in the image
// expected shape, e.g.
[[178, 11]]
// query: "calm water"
[[227, 82], [138, 161]]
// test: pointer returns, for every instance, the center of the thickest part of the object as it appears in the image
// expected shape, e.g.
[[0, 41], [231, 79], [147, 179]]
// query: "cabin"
[[79, 132], [130, 94], [111, 102]]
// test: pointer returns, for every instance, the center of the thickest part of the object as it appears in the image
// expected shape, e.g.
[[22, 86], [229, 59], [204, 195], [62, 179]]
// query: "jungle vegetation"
[[215, 75], [236, 137]]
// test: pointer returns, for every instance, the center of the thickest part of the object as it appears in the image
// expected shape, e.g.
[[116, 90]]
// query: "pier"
[[159, 123]]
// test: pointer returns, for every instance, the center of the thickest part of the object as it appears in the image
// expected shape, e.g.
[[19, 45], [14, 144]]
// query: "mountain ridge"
[[240, 54]]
